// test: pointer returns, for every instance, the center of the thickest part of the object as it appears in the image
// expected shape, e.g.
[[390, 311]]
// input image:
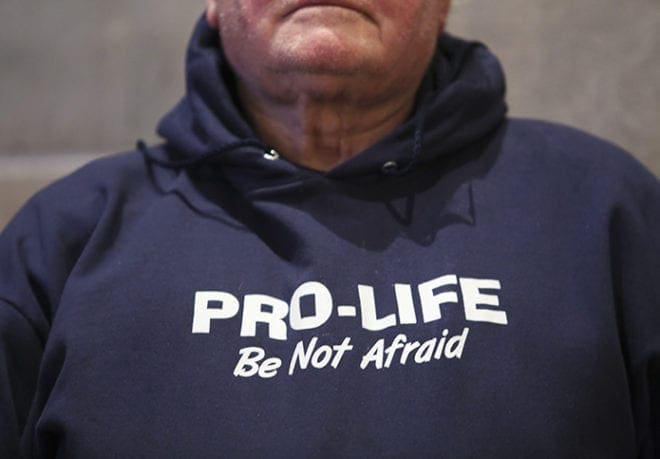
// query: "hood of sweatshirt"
[[460, 100]]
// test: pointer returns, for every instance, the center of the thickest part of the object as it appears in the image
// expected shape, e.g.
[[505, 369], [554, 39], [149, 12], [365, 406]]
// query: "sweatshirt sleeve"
[[38, 249], [635, 246]]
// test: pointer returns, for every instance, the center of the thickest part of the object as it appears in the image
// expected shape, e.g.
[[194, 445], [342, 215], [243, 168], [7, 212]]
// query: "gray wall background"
[[86, 77]]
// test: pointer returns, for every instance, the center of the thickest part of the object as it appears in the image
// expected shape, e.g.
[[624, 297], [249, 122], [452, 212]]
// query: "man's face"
[[371, 39]]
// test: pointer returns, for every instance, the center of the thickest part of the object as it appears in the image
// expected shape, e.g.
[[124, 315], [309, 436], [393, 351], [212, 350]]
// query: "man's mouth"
[[347, 4]]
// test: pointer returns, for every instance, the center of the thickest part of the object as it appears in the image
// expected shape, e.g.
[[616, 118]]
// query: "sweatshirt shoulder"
[[118, 174], [71, 206], [118, 171], [560, 150]]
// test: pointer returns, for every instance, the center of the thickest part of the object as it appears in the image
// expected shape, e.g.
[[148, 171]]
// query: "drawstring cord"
[[428, 86], [192, 162], [391, 168]]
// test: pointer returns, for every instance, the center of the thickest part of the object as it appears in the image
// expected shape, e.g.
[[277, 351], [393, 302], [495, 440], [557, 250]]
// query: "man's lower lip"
[[322, 6], [323, 9]]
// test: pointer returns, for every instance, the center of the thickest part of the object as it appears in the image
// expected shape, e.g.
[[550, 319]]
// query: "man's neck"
[[320, 133]]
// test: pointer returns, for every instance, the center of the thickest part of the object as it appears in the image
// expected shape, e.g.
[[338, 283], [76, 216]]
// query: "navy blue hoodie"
[[469, 286]]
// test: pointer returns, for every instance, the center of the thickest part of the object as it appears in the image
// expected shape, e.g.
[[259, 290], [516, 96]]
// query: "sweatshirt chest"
[[404, 337], [287, 276]]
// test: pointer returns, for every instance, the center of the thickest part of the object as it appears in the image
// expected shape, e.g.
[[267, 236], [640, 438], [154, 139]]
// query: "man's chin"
[[317, 69], [326, 49], [325, 58]]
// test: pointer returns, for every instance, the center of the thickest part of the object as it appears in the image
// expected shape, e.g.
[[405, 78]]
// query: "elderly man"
[[343, 248]]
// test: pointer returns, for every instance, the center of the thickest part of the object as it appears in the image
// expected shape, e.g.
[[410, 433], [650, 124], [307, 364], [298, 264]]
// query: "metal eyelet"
[[272, 155], [390, 167]]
